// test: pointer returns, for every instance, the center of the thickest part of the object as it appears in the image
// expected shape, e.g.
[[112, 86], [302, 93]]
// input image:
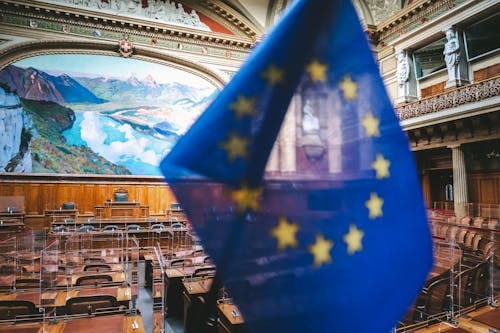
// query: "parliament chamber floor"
[[152, 278]]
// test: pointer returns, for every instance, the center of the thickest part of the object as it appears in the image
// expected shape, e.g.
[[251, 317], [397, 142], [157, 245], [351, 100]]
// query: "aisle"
[[145, 305]]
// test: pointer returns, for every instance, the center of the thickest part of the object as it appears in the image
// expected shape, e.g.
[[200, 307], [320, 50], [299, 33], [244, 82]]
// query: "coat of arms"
[[126, 48]]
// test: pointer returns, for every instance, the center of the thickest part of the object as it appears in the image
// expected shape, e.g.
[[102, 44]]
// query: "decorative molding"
[[455, 132], [170, 12], [44, 178], [83, 22], [413, 17], [450, 99], [109, 48], [230, 15]]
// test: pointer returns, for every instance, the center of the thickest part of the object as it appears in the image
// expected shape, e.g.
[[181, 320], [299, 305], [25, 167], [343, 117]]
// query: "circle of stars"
[[247, 199]]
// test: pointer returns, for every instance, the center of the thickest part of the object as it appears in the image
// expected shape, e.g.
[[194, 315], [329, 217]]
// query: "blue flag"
[[340, 241]]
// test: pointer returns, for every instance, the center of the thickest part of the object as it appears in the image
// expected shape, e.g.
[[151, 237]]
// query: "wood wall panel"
[[484, 187], [41, 196], [433, 90], [487, 73], [33, 198], [90, 192]]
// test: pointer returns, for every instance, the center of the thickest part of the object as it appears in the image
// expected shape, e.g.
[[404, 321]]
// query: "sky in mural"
[[90, 65]]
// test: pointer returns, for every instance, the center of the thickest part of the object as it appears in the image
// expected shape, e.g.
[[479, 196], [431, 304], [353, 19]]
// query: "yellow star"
[[317, 71], [285, 232], [236, 146], [243, 106], [353, 239], [321, 250], [371, 125], [349, 88], [381, 166], [274, 75], [374, 205], [246, 198]]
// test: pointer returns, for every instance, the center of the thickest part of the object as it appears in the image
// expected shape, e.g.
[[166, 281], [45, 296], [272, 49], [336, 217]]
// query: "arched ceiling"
[[261, 12]]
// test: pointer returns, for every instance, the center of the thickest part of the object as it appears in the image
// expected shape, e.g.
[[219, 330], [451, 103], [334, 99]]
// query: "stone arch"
[[33, 48], [364, 12]]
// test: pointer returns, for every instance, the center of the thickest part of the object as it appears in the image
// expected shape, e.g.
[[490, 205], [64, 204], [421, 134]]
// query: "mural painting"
[[93, 114]]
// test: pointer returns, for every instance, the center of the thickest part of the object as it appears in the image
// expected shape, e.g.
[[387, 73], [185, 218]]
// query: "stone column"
[[288, 140], [407, 81], [454, 56], [273, 164], [459, 182]]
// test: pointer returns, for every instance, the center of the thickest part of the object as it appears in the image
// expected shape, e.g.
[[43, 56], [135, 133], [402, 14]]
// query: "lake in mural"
[[101, 115]]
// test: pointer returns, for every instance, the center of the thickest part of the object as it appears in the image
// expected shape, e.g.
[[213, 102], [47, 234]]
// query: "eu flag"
[[338, 240]]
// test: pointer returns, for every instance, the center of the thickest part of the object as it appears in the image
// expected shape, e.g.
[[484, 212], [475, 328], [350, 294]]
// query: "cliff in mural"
[[51, 153], [15, 154], [33, 84]]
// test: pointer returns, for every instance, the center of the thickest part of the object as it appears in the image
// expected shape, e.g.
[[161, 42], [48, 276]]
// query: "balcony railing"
[[467, 94]]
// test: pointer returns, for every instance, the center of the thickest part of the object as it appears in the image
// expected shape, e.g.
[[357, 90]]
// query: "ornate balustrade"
[[453, 98]]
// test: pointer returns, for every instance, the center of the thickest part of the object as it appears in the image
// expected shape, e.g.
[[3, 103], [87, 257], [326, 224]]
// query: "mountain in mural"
[[33, 84], [136, 91]]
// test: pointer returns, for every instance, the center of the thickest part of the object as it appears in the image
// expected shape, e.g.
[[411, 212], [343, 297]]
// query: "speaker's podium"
[[121, 207]]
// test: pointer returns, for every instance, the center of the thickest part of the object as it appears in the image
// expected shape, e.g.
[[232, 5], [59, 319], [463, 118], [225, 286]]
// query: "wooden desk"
[[11, 222], [58, 298], [116, 277], [18, 217], [117, 323], [195, 287], [230, 318], [192, 289], [52, 215], [484, 320], [114, 209]]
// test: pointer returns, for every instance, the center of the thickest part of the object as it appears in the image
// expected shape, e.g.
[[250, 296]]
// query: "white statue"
[[403, 68], [310, 121], [451, 52]]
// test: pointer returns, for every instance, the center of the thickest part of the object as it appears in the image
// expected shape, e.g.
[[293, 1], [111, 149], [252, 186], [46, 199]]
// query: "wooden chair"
[[110, 228], [133, 227], [121, 195], [97, 268], [68, 205], [86, 228], [434, 297], [181, 262], [204, 272], [481, 282], [89, 280], [14, 308], [157, 227], [60, 228], [27, 283], [90, 304]]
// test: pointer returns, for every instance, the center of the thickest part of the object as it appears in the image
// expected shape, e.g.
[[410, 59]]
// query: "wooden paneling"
[[426, 189], [435, 89], [484, 187], [40, 196], [487, 73]]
